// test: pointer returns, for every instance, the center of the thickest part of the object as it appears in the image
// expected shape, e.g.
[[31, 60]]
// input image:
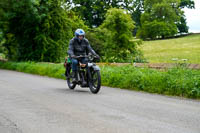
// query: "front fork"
[[89, 74]]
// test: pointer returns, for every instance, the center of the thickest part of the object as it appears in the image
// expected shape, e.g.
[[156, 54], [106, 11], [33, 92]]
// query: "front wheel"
[[95, 82]]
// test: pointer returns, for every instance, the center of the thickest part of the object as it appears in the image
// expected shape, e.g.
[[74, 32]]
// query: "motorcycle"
[[88, 74]]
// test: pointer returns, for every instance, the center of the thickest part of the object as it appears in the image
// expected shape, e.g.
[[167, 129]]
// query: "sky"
[[193, 17]]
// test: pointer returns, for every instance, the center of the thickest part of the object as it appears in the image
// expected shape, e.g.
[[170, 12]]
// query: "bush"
[[113, 40], [119, 25], [37, 30], [97, 39]]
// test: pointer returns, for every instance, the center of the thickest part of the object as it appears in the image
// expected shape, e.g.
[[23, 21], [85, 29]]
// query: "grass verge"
[[177, 81]]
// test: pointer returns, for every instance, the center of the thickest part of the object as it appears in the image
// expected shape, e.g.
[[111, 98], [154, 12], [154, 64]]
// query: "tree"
[[119, 26], [159, 19], [138, 9], [187, 3], [182, 24], [37, 30], [1, 43], [157, 29], [93, 12]]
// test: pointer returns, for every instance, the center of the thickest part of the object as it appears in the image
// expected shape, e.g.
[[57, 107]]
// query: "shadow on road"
[[67, 90]]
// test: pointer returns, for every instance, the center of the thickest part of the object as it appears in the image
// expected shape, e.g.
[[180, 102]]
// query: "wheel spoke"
[[94, 79]]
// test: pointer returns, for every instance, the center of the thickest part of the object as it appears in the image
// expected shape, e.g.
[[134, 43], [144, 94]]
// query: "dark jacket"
[[77, 47]]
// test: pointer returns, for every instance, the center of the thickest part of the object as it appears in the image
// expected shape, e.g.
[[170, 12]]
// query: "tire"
[[95, 82], [69, 80]]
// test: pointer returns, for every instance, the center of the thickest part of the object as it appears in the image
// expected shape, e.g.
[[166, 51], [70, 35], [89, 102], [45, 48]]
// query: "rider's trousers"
[[75, 63]]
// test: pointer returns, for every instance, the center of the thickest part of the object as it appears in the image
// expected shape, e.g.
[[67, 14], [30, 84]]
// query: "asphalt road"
[[35, 104]]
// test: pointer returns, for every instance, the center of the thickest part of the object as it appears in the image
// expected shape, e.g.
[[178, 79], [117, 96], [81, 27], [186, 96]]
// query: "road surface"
[[36, 104]]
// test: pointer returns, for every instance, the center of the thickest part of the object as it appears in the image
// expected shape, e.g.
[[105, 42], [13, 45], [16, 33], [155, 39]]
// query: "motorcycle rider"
[[79, 45]]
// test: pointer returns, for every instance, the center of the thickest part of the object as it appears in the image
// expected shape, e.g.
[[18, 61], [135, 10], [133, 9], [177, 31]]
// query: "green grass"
[[43, 69], [162, 51], [177, 81]]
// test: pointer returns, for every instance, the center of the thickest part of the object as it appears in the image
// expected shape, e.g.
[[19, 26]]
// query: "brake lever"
[[96, 57]]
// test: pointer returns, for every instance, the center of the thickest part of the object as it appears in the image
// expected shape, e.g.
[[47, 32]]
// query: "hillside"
[[164, 51]]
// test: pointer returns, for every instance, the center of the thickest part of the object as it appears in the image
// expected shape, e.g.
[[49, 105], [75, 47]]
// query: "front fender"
[[95, 68]]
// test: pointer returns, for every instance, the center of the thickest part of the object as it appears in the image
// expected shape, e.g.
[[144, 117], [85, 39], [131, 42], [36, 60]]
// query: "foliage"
[[187, 3], [94, 15], [76, 22], [159, 18], [182, 26], [40, 30], [118, 45], [177, 81], [98, 38], [37, 30], [1, 42], [44, 69], [92, 11], [157, 29]]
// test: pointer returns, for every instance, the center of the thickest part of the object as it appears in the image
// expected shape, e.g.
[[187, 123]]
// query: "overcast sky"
[[193, 17]]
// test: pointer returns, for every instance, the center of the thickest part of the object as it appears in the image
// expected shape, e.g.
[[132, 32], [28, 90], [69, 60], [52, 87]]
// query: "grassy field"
[[163, 51]]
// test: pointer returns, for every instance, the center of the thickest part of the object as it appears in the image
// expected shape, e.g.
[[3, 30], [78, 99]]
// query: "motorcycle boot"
[[74, 77]]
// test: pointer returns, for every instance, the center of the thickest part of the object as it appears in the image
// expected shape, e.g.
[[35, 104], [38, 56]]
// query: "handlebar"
[[81, 56], [84, 56]]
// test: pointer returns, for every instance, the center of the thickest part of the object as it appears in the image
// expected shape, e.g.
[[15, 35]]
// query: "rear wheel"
[[69, 80], [95, 83]]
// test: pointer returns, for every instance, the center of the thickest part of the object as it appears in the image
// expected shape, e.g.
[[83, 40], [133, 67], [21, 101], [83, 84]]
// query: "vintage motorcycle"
[[88, 74]]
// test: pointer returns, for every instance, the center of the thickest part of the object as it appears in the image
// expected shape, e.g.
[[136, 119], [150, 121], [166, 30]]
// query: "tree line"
[[167, 15], [40, 30]]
